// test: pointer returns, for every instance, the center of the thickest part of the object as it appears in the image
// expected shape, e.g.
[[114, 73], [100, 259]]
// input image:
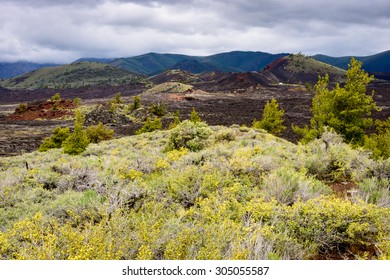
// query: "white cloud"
[[62, 31]]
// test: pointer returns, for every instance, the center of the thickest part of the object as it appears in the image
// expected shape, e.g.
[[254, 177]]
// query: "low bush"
[[334, 226], [379, 143], [150, 125], [225, 135], [158, 110], [190, 135], [22, 107], [331, 160], [98, 133], [176, 120], [374, 190], [56, 97], [135, 105], [288, 186]]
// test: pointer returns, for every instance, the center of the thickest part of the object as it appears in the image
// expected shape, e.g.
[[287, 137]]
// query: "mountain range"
[[13, 69], [373, 63], [236, 61], [289, 69]]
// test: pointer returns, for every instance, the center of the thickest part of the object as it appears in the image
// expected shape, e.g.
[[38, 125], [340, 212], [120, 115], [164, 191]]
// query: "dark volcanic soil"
[[220, 107]]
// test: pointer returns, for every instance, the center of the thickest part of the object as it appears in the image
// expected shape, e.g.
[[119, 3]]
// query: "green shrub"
[[136, 104], [77, 101], [374, 190], [331, 160], [115, 102], [58, 136], [225, 134], [98, 133], [288, 186], [22, 107], [158, 109], [176, 120], [117, 99], [379, 143], [333, 226], [190, 135], [78, 141], [56, 97], [150, 125]]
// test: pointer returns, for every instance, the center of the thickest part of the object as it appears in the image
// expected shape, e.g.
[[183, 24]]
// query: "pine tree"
[[272, 119], [344, 109], [194, 116], [78, 141]]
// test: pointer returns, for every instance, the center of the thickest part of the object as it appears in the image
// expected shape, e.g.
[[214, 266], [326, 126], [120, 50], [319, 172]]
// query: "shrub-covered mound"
[[241, 194]]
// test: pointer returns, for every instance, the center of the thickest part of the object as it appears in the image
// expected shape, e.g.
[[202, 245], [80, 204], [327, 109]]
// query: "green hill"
[[172, 87], [196, 192], [74, 75], [302, 69], [174, 75]]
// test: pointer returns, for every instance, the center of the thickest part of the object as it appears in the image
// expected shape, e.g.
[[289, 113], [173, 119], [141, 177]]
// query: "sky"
[[62, 31]]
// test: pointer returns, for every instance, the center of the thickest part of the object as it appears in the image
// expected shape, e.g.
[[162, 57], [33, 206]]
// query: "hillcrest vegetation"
[[195, 191]]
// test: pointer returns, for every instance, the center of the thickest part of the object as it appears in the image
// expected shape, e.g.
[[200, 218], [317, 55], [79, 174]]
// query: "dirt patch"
[[343, 189], [176, 97], [44, 110], [348, 252]]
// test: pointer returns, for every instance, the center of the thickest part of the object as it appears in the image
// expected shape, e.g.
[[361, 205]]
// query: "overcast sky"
[[62, 31]]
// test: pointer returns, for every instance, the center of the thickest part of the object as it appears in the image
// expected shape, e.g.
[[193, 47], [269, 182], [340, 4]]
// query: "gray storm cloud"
[[62, 31]]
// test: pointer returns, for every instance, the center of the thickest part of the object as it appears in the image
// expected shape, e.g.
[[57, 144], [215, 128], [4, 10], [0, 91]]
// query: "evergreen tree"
[[78, 141], [272, 119], [344, 109], [194, 116]]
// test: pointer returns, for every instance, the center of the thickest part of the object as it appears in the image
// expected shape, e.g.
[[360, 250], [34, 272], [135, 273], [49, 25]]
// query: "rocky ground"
[[219, 106]]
